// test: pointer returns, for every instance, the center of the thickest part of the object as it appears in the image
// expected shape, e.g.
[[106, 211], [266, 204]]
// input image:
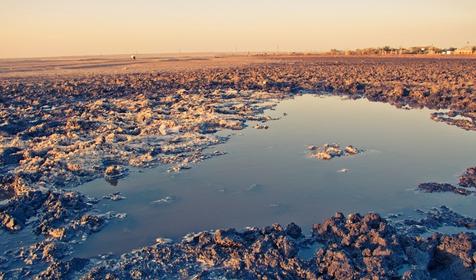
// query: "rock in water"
[[468, 179], [351, 150], [442, 187], [330, 151]]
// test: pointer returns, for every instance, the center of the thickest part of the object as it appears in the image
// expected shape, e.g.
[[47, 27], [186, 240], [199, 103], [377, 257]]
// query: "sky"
[[43, 28]]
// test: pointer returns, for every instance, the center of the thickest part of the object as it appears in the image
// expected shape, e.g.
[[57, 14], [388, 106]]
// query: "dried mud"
[[59, 132]]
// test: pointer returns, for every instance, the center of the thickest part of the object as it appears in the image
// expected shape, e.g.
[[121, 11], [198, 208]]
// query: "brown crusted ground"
[[65, 122]]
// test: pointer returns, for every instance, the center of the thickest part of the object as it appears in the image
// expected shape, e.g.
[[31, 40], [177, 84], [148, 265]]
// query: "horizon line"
[[216, 52]]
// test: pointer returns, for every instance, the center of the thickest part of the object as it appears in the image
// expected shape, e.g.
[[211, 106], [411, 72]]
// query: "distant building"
[[448, 51], [416, 50], [432, 50], [468, 50]]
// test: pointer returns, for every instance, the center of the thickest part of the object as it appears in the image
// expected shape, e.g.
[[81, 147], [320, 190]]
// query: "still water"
[[266, 178]]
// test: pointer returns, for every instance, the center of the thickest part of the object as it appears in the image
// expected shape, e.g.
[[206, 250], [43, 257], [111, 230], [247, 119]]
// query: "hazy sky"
[[30, 28]]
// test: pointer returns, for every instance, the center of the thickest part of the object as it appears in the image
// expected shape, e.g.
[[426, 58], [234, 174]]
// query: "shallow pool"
[[266, 178]]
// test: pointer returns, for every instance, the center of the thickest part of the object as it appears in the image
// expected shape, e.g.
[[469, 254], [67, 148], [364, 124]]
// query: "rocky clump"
[[464, 120], [467, 182], [10, 155], [353, 247], [330, 151], [114, 171], [51, 213], [468, 179], [442, 187], [114, 196], [433, 220], [48, 259], [261, 126]]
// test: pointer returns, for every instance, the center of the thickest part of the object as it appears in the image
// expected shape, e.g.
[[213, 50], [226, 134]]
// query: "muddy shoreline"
[[341, 247], [57, 133]]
